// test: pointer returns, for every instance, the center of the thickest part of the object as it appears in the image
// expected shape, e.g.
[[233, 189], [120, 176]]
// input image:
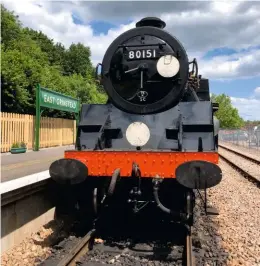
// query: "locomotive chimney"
[[152, 22]]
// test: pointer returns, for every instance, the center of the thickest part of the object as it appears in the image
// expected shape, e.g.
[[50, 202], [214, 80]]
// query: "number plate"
[[142, 54]]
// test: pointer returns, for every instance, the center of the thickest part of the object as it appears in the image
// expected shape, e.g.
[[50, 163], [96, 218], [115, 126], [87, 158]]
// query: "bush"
[[18, 145], [15, 145]]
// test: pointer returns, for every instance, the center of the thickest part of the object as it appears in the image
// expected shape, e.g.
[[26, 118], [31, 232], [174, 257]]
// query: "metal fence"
[[249, 138]]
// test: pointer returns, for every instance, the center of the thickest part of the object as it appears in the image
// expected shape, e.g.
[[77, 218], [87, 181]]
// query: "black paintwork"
[[119, 86], [104, 127], [179, 116], [151, 21]]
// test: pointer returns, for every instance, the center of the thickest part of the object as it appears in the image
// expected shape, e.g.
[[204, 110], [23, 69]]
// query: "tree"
[[23, 66], [55, 52], [30, 57], [227, 114], [59, 56], [10, 26], [77, 60]]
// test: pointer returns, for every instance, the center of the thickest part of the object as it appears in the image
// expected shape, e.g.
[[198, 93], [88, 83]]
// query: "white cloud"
[[239, 65], [200, 26], [60, 27], [257, 93], [249, 109]]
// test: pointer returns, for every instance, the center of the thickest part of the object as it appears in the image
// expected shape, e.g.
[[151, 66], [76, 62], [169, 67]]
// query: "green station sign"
[[55, 100], [46, 98]]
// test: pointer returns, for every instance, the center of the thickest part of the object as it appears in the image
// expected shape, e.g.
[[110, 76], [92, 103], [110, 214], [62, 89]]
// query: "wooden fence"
[[53, 131]]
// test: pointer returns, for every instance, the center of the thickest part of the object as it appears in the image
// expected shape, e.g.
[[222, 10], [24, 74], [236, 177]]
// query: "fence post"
[[26, 130]]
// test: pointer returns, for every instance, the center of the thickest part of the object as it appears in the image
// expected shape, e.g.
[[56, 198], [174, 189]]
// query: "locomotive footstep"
[[198, 174], [68, 171]]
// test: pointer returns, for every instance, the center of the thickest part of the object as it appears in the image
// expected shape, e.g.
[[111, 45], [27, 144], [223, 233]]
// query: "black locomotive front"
[[145, 70], [157, 130]]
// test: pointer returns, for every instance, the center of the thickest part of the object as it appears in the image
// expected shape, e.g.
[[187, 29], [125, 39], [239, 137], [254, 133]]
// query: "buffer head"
[[198, 174], [68, 171]]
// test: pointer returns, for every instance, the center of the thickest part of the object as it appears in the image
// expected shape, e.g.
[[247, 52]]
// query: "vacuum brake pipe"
[[157, 200], [162, 207]]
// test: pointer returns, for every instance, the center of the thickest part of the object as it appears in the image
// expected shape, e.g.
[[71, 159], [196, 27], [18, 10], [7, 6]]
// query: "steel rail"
[[190, 260], [79, 250], [250, 177], [241, 154]]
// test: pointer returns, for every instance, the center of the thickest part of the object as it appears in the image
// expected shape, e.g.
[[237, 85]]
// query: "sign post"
[[46, 98]]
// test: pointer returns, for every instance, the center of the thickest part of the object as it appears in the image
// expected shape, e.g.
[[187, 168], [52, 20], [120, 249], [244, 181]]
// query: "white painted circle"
[[168, 66], [137, 134]]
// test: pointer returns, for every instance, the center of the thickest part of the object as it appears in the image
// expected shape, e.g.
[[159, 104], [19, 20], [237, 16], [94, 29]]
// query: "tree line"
[[30, 57]]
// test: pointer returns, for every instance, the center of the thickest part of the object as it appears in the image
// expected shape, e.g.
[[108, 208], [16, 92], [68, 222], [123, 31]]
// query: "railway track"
[[255, 160], [80, 249], [98, 248], [247, 165]]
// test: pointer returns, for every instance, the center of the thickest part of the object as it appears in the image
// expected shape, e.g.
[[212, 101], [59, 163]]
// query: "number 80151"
[[142, 54]]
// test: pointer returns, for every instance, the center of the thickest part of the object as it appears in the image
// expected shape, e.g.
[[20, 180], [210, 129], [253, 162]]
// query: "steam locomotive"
[[156, 139]]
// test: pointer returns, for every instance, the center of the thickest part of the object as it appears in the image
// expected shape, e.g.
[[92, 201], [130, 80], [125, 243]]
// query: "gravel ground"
[[35, 249], [237, 233], [253, 152], [249, 166], [206, 240]]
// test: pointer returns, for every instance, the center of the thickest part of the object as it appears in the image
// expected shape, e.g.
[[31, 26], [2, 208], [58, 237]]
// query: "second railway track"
[[250, 158], [247, 165]]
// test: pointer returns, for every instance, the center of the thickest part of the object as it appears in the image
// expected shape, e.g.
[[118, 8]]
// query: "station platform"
[[14, 166]]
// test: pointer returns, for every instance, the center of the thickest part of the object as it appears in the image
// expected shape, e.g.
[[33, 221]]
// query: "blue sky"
[[236, 88], [223, 36], [101, 27]]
